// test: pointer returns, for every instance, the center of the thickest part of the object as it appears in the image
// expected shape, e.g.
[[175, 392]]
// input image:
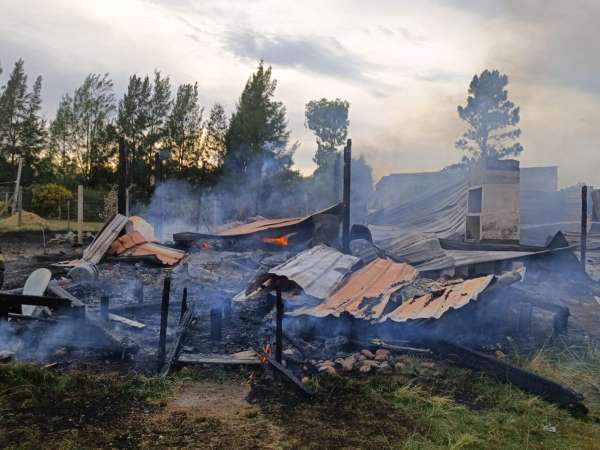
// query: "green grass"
[[414, 407], [54, 225]]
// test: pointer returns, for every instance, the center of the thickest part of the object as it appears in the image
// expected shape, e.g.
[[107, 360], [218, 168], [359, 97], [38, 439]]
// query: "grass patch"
[[39, 405], [53, 225], [420, 409]]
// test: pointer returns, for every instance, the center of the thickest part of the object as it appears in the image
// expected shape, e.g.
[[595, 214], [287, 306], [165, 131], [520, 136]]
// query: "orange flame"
[[205, 245], [281, 240]]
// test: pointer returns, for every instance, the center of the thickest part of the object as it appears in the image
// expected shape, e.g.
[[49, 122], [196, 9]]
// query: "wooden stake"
[[583, 243], [183, 305], [346, 199], [80, 214], [140, 291], [20, 207], [279, 324], [164, 314], [122, 195], [104, 303], [215, 324]]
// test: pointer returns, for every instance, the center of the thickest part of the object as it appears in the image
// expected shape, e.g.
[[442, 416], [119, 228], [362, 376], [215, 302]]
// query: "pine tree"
[[185, 127], [33, 131], [258, 128], [213, 145], [13, 105], [492, 118]]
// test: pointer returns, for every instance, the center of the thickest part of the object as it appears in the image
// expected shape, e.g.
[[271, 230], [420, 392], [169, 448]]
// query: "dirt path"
[[211, 414]]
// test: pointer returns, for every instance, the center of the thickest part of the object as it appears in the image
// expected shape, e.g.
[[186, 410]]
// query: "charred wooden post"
[[104, 303], [279, 324], [227, 311], [122, 194], [336, 178], [164, 313], [183, 304], [140, 292], [584, 214], [216, 324], [346, 200]]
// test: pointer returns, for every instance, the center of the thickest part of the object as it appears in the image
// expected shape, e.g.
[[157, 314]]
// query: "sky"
[[404, 66]]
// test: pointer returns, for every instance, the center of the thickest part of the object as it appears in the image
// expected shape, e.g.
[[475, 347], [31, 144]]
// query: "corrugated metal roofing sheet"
[[435, 304], [318, 271], [366, 293], [270, 224]]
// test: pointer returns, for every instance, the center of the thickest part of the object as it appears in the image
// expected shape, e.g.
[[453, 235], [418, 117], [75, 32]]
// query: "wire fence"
[[96, 206]]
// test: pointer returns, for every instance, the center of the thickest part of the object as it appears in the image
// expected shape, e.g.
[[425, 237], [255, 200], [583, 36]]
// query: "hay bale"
[[27, 218]]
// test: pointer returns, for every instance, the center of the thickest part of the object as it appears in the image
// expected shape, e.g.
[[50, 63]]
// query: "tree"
[[13, 104], [33, 129], [492, 119], [215, 131], [258, 127], [63, 140], [185, 127], [328, 119], [82, 130]]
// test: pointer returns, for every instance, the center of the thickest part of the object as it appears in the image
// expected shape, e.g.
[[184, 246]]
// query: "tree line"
[[249, 151]]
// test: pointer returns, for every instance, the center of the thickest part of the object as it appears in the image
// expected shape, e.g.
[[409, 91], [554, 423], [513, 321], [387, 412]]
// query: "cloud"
[[325, 56]]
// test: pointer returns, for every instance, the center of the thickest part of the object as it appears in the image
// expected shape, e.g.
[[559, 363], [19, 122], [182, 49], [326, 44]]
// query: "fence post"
[[80, 214], [20, 206]]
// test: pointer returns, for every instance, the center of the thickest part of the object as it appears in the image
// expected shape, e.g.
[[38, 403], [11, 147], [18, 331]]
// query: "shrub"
[[48, 198]]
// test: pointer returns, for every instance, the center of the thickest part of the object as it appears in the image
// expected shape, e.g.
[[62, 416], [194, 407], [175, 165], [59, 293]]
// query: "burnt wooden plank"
[[507, 373], [290, 376]]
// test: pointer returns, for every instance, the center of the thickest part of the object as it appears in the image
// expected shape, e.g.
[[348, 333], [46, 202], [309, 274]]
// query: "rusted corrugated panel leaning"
[[434, 305], [367, 291]]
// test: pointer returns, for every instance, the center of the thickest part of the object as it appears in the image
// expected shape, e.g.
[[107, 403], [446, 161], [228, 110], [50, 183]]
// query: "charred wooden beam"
[[185, 322], [15, 300], [584, 217], [290, 376], [104, 301], [346, 199], [216, 323], [241, 358], [279, 324], [164, 314], [507, 373], [123, 177]]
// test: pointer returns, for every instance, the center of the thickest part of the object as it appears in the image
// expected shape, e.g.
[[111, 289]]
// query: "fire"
[[281, 240], [205, 245], [265, 352]]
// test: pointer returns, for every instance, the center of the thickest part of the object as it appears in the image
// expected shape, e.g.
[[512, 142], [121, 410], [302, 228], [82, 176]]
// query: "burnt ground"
[[97, 400]]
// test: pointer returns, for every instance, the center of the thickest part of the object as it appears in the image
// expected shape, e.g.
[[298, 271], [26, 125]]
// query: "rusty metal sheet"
[[367, 291], [166, 255], [435, 304], [270, 224]]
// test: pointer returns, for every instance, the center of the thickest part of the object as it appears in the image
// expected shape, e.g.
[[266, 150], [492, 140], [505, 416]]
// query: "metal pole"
[[583, 244], [346, 200], [164, 314], [279, 324]]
